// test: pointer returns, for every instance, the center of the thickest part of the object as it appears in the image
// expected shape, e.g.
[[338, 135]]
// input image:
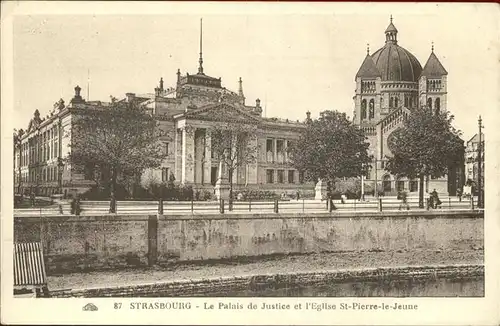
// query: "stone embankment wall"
[[79, 243], [440, 281]]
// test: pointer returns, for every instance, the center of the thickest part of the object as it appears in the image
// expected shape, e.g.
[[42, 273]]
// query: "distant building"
[[389, 84], [187, 112], [471, 159]]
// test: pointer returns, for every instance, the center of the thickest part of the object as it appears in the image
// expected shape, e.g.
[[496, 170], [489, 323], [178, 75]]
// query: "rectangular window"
[[413, 186], [269, 150], [280, 145], [400, 186], [270, 176], [166, 149], [164, 174], [291, 176], [281, 176]]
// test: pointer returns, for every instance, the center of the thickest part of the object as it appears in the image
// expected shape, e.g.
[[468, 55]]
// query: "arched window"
[[363, 110], [391, 102], [396, 103], [429, 103], [372, 109], [406, 101], [437, 105]]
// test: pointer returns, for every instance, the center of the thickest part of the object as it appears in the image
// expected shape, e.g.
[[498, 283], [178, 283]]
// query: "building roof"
[[368, 69], [395, 63], [433, 67], [475, 139], [391, 28]]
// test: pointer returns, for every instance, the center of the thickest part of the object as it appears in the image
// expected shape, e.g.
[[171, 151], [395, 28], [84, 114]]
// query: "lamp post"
[[60, 168], [480, 198]]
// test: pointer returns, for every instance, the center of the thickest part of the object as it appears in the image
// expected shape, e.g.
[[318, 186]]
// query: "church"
[[389, 84]]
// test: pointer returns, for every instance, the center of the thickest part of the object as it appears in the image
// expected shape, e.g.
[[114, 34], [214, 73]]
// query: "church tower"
[[367, 97], [433, 84]]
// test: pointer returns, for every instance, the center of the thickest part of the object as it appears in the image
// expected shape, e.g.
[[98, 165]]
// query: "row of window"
[[280, 176], [400, 186], [437, 104], [40, 148], [49, 173]]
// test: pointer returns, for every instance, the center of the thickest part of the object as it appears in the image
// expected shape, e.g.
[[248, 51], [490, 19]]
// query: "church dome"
[[394, 62]]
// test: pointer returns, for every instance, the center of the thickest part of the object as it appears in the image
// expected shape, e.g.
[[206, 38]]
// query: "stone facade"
[[471, 159], [389, 85], [187, 114], [40, 153]]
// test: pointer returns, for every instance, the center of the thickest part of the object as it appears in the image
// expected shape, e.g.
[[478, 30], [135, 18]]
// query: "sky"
[[295, 59]]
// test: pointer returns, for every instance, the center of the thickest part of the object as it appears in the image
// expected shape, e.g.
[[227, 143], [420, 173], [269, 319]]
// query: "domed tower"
[[398, 72], [433, 84]]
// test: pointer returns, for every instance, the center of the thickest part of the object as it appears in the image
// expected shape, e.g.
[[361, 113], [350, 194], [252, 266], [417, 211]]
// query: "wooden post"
[[250, 205], [192, 205], [276, 209], [380, 204]]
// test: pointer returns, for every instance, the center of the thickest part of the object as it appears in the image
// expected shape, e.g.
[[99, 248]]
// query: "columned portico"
[[188, 163]]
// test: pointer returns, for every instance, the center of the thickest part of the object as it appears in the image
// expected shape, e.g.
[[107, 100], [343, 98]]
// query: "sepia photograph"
[[249, 154]]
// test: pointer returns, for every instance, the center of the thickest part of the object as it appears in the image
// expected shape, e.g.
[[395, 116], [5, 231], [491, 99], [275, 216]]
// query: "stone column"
[[208, 157], [187, 155], [178, 154]]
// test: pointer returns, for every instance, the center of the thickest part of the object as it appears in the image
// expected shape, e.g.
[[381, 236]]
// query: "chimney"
[[257, 103], [308, 119], [130, 97]]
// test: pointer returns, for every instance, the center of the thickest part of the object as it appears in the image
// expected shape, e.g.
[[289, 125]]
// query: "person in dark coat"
[[435, 199]]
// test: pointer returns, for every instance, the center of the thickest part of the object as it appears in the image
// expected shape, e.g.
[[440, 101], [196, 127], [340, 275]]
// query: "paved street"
[[211, 207]]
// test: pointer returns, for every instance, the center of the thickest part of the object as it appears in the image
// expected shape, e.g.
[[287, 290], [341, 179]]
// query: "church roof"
[[395, 63], [368, 68], [391, 28], [433, 67]]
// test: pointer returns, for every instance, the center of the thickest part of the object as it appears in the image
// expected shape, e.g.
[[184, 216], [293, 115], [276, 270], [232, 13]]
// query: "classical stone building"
[[41, 149], [389, 84], [187, 112]]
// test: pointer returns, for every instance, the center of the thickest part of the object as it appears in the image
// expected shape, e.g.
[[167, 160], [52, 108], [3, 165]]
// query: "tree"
[[426, 145], [117, 140], [232, 146], [330, 147]]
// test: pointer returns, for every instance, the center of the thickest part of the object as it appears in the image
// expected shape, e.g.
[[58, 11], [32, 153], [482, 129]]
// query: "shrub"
[[103, 193], [255, 194]]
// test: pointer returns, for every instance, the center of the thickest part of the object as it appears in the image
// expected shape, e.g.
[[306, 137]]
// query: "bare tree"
[[232, 144]]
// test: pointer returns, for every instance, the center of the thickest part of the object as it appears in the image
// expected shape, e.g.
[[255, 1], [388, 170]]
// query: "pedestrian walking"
[[459, 194]]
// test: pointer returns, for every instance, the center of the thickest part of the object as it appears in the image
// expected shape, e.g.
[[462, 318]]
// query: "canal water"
[[437, 287]]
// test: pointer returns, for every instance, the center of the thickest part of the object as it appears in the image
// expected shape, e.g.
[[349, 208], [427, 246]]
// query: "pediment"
[[222, 112]]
